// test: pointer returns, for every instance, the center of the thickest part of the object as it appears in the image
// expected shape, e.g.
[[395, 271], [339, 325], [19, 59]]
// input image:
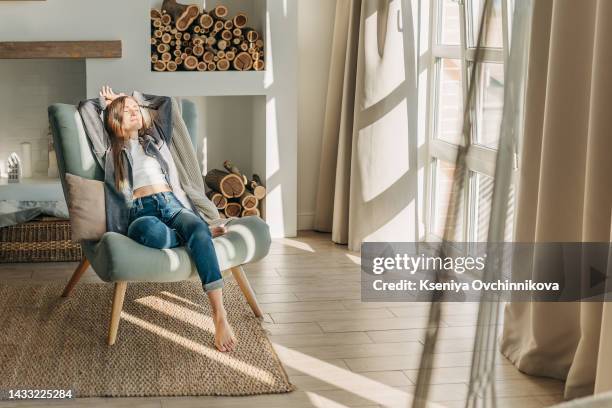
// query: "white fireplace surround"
[[116, 20]]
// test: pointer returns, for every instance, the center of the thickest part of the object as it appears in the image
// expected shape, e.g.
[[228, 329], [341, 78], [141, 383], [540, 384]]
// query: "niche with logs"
[[185, 38], [233, 193]]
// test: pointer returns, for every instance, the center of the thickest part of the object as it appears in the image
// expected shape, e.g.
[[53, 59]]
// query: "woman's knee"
[[152, 232]]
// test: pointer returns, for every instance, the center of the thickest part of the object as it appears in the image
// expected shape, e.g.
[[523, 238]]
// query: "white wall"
[[27, 88], [315, 33]]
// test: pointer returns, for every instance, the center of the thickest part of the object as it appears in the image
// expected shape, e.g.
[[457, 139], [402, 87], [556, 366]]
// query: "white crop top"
[[146, 170]]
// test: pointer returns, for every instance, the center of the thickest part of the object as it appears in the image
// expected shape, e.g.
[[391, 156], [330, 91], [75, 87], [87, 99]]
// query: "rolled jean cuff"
[[213, 285]]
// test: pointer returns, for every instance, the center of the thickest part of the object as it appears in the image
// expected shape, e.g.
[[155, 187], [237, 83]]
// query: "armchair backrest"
[[72, 147]]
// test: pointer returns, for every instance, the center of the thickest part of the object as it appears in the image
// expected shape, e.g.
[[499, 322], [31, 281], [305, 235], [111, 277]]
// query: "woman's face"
[[131, 120]]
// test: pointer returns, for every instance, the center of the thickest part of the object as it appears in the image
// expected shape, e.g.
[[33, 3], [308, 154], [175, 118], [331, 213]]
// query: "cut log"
[[223, 64], [171, 66], [220, 11], [208, 56], [228, 184], [206, 21], [250, 34], [249, 212], [233, 210], [218, 199], [178, 60], [259, 65], [177, 53], [218, 26], [198, 50], [154, 57], [202, 66], [244, 46], [182, 14], [190, 62], [166, 38], [255, 186], [236, 41], [158, 33], [229, 166], [157, 23], [166, 56], [221, 54], [155, 14], [259, 43], [240, 20], [230, 55], [228, 25], [178, 35], [166, 19], [222, 45], [243, 61], [248, 201], [161, 48], [227, 35], [211, 66], [186, 36], [159, 65]]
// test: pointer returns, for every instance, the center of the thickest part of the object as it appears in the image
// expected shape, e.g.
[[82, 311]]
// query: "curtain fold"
[[332, 205], [565, 194], [367, 190]]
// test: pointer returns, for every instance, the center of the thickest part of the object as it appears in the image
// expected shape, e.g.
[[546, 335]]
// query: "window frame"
[[480, 158]]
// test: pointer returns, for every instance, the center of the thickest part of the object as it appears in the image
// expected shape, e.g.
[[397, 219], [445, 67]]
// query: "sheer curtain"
[[565, 193]]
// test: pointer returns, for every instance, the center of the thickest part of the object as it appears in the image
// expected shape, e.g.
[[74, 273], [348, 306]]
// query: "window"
[[455, 25]]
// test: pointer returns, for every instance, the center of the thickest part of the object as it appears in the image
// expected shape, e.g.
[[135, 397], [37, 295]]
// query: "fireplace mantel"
[[60, 49]]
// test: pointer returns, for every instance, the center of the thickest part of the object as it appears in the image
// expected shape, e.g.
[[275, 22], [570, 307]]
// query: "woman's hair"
[[113, 122]]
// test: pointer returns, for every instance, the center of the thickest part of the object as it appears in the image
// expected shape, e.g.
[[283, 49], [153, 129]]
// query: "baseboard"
[[305, 221]]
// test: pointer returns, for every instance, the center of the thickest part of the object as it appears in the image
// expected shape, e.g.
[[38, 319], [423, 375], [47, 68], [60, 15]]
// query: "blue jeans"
[[160, 221]]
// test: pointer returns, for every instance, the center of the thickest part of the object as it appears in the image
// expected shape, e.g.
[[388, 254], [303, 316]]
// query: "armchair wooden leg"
[[76, 276], [246, 289], [118, 297]]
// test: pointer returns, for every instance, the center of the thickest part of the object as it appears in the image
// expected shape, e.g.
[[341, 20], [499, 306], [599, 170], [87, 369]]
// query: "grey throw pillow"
[[86, 206]]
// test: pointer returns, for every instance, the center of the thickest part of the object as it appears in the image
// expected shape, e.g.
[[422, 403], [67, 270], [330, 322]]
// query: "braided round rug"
[[164, 345]]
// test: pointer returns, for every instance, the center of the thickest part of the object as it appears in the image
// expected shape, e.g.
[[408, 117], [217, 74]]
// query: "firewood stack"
[[233, 193], [185, 38]]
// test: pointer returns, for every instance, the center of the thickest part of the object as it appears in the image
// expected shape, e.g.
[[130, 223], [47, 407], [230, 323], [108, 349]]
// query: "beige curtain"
[[367, 189], [565, 188]]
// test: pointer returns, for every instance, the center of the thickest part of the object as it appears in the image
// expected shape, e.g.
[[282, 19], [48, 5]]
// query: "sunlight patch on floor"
[[341, 378], [223, 358]]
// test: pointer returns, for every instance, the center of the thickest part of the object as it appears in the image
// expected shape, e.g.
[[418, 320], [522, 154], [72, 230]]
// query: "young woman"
[[157, 217]]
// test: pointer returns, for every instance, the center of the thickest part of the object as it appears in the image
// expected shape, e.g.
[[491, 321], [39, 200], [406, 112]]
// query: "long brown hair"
[[113, 121]]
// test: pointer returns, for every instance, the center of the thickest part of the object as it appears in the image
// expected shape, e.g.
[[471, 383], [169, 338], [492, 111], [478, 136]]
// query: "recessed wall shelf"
[[60, 49]]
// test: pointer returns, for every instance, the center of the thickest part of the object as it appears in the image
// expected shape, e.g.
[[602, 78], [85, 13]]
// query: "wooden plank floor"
[[338, 351]]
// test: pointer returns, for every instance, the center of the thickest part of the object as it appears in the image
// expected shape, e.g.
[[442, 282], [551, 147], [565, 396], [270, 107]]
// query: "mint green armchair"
[[118, 259]]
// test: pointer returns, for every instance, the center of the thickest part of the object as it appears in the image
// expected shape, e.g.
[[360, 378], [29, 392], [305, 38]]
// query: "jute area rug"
[[164, 345]]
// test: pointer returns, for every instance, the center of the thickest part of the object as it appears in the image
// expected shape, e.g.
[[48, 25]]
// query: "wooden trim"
[[60, 49]]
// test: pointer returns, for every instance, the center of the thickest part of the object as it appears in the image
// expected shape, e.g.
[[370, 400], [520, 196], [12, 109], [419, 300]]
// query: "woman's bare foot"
[[218, 231], [225, 340]]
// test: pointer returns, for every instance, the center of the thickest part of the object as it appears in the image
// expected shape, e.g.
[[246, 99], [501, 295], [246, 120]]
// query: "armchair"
[[117, 259]]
